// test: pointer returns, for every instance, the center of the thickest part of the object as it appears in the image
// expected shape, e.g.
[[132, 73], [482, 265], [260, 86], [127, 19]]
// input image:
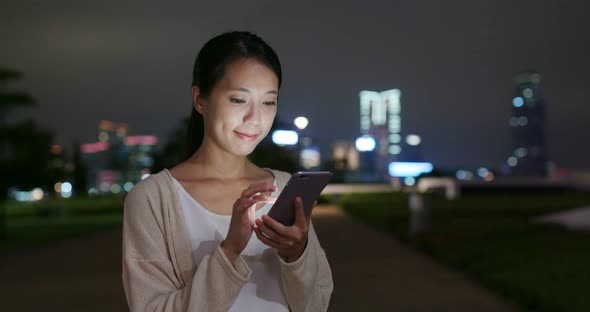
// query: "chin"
[[244, 151]]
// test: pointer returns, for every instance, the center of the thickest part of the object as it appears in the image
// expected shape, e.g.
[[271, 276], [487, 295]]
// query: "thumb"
[[300, 217]]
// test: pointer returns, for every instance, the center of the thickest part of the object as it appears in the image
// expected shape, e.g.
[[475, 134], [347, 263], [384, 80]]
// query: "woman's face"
[[241, 108]]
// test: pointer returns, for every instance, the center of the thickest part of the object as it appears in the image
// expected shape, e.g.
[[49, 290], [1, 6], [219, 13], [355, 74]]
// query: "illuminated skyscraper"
[[381, 120], [529, 157], [117, 161]]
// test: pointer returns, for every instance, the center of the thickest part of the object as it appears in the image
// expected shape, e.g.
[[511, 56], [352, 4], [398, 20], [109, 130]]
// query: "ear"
[[198, 100]]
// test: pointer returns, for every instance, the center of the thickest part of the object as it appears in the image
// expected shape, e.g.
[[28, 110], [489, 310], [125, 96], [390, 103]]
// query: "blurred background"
[[456, 131]]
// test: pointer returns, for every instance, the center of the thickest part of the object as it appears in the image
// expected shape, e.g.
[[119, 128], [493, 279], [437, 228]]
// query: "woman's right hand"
[[243, 216]]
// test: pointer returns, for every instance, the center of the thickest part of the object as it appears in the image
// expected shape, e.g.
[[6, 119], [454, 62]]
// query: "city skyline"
[[453, 62]]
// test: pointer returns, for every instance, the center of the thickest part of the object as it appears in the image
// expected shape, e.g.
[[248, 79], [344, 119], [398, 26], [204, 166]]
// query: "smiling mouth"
[[247, 137]]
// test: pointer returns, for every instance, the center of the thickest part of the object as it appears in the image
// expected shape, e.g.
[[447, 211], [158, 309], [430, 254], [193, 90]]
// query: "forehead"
[[250, 74]]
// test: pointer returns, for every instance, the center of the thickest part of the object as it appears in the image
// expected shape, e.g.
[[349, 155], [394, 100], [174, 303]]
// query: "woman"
[[196, 237]]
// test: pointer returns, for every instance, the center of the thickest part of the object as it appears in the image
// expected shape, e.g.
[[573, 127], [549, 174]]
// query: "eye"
[[238, 101], [269, 103]]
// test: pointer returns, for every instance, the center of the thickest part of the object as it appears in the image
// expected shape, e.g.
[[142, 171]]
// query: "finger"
[[244, 203], [258, 198], [258, 188], [267, 199], [270, 233], [265, 240], [301, 220], [276, 226]]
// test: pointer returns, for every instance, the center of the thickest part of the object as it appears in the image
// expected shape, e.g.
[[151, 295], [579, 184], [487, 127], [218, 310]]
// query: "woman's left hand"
[[289, 241]]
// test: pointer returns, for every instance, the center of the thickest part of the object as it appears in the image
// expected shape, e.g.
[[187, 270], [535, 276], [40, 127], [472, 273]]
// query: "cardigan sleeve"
[[307, 282], [151, 278]]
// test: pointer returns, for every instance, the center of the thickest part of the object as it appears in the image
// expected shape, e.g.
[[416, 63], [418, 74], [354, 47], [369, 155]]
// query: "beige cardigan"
[[159, 273]]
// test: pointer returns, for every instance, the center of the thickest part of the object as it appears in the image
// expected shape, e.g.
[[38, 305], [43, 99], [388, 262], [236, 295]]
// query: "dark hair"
[[210, 66]]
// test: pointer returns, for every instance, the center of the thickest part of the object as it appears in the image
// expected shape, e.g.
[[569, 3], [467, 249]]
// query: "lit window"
[[527, 93], [395, 149], [518, 101], [512, 161]]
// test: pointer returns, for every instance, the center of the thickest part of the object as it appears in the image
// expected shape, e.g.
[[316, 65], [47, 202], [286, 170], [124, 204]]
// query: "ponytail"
[[196, 132]]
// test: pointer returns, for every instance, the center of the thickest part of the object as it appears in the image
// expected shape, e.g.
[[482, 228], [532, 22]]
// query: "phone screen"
[[306, 184]]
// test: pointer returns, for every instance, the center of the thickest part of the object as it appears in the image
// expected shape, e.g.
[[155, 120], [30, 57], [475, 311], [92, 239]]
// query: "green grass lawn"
[[35, 224], [491, 239], [65, 207]]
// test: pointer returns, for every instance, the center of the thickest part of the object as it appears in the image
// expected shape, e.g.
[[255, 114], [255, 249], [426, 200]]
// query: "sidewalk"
[[573, 219], [77, 275], [371, 273]]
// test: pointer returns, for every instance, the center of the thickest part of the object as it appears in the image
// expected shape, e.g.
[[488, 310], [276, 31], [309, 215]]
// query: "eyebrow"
[[246, 90]]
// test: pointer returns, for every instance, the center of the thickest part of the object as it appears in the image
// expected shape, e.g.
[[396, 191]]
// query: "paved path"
[[373, 272], [574, 219], [77, 275], [380, 275]]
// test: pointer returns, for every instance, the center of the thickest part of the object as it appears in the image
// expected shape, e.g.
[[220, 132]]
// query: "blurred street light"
[[285, 137], [301, 122], [413, 140], [365, 143]]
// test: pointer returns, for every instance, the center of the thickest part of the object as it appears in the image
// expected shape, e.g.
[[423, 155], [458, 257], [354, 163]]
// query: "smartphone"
[[306, 184]]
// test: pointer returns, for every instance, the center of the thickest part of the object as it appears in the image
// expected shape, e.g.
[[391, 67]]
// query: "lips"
[[247, 137]]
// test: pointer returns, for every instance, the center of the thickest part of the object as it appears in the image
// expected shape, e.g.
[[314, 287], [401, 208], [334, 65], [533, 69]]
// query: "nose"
[[253, 115]]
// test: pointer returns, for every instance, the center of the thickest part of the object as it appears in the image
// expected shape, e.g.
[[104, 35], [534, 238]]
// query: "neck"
[[214, 162]]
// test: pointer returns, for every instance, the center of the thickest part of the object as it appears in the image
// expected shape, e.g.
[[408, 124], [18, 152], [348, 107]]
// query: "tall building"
[[380, 120], [527, 122], [117, 162], [345, 156], [345, 163]]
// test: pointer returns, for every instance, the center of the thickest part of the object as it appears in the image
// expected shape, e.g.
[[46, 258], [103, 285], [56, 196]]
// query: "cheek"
[[269, 116], [225, 117], [267, 121]]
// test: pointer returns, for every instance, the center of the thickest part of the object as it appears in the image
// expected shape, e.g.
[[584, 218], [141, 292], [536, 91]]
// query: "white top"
[[263, 292]]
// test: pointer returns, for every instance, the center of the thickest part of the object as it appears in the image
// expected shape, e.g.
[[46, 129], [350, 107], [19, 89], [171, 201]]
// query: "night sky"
[[452, 60]]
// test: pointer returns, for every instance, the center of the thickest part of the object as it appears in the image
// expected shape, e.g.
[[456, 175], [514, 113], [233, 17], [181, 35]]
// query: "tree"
[[24, 148], [10, 100], [79, 174], [174, 150]]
